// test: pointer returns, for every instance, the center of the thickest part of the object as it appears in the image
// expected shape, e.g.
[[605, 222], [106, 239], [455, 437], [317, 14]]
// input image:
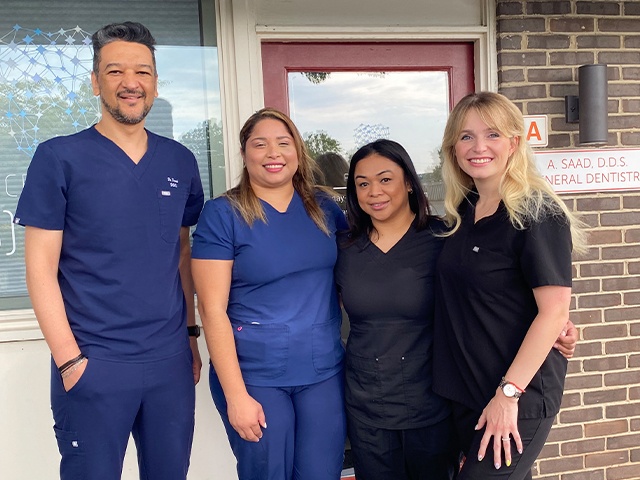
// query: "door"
[[344, 95]]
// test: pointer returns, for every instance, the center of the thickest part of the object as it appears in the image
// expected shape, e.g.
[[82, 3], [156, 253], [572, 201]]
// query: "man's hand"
[[197, 361]]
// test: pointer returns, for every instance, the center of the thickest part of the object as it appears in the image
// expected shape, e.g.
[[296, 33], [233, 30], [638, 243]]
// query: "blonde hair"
[[527, 196], [243, 198]]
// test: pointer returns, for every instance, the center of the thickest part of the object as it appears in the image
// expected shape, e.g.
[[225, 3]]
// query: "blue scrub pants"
[[154, 401], [305, 434]]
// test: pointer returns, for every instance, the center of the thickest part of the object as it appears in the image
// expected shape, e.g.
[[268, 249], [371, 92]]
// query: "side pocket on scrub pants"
[[72, 464], [327, 345], [263, 350]]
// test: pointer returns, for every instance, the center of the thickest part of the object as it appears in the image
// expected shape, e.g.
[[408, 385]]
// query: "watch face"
[[509, 390]]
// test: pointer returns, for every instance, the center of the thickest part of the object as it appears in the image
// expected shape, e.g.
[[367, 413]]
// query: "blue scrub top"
[[283, 304], [118, 268]]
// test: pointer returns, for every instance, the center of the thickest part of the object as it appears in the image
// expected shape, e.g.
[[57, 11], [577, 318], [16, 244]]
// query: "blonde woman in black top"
[[503, 290]]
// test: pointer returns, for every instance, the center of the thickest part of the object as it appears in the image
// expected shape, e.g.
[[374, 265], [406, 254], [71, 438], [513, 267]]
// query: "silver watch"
[[509, 389]]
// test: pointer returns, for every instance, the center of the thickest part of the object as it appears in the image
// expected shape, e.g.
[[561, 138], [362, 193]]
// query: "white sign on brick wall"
[[590, 170], [536, 131]]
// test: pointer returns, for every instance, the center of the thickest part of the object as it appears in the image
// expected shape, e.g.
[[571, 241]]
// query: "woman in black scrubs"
[[503, 290], [398, 428]]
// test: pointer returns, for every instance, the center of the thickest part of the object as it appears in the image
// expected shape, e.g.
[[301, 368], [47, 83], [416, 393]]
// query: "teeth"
[[480, 160]]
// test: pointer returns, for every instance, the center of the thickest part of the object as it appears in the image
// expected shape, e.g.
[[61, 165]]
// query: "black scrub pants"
[[533, 432], [413, 454]]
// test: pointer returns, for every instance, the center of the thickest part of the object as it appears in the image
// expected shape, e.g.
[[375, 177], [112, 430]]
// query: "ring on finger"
[[507, 439]]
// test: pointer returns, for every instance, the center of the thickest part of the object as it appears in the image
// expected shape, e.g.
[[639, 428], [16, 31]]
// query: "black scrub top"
[[485, 305], [389, 298]]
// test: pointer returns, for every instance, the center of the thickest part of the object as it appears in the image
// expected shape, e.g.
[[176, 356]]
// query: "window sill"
[[19, 325]]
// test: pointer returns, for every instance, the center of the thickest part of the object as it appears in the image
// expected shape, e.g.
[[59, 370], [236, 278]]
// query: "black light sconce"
[[589, 108]]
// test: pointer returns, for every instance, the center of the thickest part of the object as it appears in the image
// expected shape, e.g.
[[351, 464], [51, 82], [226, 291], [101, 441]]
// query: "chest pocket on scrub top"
[[171, 202]]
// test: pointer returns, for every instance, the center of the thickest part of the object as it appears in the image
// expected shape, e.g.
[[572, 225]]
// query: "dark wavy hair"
[[359, 222], [127, 32]]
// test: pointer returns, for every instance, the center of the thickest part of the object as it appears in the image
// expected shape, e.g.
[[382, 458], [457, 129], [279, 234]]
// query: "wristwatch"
[[194, 331], [509, 389]]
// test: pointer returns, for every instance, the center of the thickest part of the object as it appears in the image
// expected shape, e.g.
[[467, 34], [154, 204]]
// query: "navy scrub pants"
[[305, 435], [154, 401]]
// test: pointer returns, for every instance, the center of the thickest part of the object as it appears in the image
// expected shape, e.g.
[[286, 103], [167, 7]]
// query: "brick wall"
[[540, 46]]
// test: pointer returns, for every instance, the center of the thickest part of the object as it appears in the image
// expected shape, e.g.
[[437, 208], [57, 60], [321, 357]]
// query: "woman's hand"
[[246, 417], [501, 419], [566, 342], [70, 380]]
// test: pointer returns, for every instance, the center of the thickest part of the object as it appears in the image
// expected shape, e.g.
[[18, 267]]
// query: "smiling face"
[[483, 152], [126, 82], [270, 155], [382, 190]]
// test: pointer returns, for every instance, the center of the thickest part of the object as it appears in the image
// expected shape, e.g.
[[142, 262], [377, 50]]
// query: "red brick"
[[583, 381], [561, 464], [622, 283], [625, 410], [599, 300], [598, 204], [632, 236], [564, 433], [605, 396], [631, 298], [571, 400], [585, 286], [592, 332], [584, 475], [606, 459], [583, 317], [601, 269], [581, 415], [622, 314], [621, 378], [583, 446], [602, 429], [623, 441], [605, 363], [588, 349], [621, 346], [623, 473], [631, 201], [605, 237], [616, 253]]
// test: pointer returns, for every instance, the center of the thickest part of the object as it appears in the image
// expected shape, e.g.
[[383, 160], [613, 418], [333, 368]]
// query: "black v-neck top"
[[389, 298], [485, 305]]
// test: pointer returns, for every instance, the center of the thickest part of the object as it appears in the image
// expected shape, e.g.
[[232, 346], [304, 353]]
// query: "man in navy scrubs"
[[107, 213]]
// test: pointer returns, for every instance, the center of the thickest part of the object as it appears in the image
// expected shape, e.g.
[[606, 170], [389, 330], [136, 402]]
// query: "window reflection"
[[45, 91], [341, 111]]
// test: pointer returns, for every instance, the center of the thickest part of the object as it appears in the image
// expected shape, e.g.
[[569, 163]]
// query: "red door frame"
[[278, 59]]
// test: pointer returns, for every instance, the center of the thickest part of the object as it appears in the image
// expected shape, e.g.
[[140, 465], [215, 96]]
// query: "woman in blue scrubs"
[[263, 259]]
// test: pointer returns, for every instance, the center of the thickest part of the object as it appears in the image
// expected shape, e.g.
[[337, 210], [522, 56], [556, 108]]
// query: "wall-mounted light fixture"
[[589, 108]]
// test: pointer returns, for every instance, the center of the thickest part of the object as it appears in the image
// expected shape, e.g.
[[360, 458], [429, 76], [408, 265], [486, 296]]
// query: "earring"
[[410, 192]]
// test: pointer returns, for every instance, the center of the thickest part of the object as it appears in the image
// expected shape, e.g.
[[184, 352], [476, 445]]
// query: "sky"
[[413, 106]]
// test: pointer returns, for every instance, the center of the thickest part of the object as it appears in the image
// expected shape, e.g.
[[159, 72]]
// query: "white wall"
[[28, 449]]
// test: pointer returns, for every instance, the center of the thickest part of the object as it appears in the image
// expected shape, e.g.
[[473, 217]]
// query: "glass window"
[[410, 107], [45, 91]]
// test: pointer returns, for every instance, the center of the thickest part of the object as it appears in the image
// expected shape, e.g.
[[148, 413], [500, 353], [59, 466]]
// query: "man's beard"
[[120, 117]]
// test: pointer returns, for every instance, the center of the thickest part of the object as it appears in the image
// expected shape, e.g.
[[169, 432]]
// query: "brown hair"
[[244, 199]]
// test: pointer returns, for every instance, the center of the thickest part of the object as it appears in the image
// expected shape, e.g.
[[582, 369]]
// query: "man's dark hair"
[[128, 32]]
